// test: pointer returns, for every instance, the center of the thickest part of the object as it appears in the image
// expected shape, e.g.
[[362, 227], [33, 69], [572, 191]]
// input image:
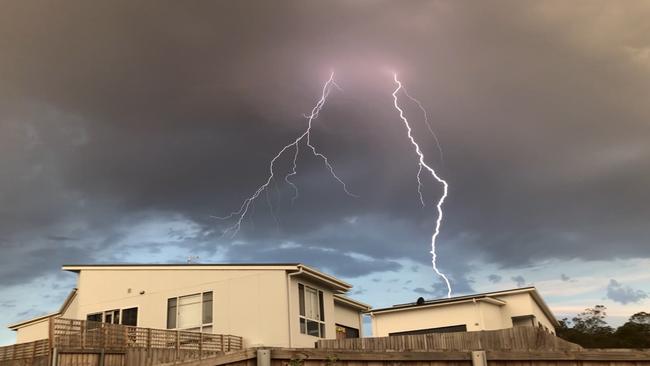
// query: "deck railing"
[[29, 350], [82, 334]]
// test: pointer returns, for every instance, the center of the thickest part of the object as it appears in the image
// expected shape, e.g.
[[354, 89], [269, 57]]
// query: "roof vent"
[[420, 301]]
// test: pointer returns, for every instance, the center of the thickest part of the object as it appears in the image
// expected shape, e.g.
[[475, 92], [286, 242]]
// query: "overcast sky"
[[125, 127]]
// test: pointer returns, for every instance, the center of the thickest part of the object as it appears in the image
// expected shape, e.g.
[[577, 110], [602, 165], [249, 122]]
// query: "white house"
[[487, 311], [283, 305]]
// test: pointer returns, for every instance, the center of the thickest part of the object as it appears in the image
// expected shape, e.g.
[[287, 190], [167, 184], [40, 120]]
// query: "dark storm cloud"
[[116, 109], [624, 294], [494, 278]]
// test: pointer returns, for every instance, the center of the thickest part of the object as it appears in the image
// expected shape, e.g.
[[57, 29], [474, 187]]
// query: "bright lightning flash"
[[423, 165], [240, 214]]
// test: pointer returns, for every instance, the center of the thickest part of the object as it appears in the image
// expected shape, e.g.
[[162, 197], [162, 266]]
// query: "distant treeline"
[[590, 330]]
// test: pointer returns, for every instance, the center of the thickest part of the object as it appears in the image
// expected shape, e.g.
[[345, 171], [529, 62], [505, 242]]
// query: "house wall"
[[33, 331], [427, 317], [348, 316], [249, 303], [524, 304], [491, 316], [476, 316]]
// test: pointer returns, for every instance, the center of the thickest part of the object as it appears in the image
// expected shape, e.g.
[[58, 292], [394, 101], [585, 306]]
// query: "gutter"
[[289, 307]]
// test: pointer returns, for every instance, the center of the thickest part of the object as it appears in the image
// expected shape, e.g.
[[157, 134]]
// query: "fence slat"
[[521, 338]]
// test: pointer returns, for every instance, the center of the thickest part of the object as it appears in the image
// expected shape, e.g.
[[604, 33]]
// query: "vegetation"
[[589, 329]]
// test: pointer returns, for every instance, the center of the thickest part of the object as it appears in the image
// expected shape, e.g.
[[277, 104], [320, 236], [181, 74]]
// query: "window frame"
[[305, 321], [112, 312], [200, 327]]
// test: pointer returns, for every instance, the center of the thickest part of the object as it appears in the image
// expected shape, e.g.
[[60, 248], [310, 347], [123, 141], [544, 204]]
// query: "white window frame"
[[112, 313], [319, 318], [203, 328]]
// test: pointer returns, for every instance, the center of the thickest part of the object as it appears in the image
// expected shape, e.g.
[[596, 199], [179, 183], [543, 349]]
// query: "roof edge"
[[16, 326], [458, 299], [344, 286], [79, 267], [352, 302]]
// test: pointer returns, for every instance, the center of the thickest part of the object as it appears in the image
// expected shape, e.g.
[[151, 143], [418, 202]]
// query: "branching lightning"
[[240, 214], [426, 121], [423, 165]]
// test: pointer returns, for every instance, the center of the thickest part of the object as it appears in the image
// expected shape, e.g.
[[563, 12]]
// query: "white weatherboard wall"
[[260, 303], [475, 315], [524, 304], [346, 315], [248, 303], [426, 317], [33, 331]]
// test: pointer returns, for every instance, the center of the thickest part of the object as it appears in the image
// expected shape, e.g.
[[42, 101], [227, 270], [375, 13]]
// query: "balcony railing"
[[82, 334]]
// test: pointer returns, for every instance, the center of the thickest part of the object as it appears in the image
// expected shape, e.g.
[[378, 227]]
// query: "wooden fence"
[[25, 350], [82, 334], [323, 357], [78, 342], [520, 338]]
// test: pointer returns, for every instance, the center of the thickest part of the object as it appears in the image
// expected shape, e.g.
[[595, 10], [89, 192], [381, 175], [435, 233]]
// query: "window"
[[127, 316], [112, 316], [312, 312], [523, 321], [449, 329], [97, 317], [191, 312], [130, 316], [343, 332]]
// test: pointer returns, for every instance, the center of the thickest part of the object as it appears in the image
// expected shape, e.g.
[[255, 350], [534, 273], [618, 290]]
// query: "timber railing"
[[82, 334], [520, 339], [22, 351]]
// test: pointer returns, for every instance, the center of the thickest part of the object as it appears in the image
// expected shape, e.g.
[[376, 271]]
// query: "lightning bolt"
[[426, 121], [240, 214], [423, 165]]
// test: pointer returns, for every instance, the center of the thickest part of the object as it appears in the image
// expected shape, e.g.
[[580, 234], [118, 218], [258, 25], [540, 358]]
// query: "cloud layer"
[[124, 128]]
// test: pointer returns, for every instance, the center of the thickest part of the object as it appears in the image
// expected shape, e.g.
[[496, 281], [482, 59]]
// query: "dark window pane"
[[171, 313], [116, 317], [207, 307], [108, 318], [301, 298], [322, 330], [312, 328], [303, 327], [130, 316], [94, 317], [351, 332], [320, 304], [449, 329]]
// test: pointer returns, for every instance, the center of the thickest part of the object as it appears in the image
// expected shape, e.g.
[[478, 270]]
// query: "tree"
[[636, 332], [592, 321], [589, 329], [640, 318]]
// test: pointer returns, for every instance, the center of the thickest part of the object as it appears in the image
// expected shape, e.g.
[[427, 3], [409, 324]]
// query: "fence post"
[[178, 340], [223, 345], [55, 357], [148, 341], [200, 345], [263, 357], [82, 329], [479, 358]]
